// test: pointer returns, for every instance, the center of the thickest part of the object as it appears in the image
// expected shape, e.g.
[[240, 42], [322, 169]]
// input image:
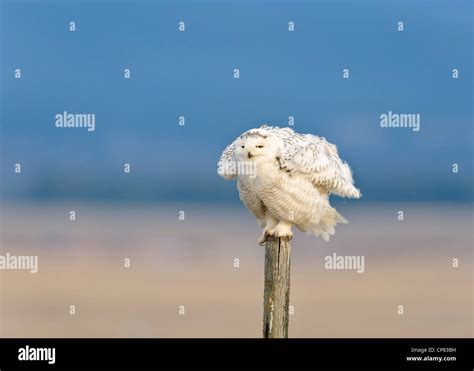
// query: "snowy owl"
[[285, 178]]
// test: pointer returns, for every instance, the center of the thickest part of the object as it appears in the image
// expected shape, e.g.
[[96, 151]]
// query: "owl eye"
[[243, 146], [259, 146]]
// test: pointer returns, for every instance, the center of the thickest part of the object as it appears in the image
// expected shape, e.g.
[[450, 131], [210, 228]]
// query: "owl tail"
[[327, 224]]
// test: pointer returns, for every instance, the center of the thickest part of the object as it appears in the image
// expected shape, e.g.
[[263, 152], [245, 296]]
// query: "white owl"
[[285, 179]]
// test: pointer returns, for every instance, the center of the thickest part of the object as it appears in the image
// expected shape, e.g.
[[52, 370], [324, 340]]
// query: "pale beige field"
[[190, 263]]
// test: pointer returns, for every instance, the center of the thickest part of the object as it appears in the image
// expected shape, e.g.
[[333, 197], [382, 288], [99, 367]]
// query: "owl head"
[[258, 145]]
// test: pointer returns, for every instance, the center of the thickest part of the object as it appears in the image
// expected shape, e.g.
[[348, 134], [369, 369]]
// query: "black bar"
[[240, 353]]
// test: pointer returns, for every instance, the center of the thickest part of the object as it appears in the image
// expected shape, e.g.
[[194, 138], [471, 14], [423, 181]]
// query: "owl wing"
[[314, 156]]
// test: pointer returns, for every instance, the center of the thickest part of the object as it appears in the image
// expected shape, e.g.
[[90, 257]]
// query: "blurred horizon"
[[192, 263]]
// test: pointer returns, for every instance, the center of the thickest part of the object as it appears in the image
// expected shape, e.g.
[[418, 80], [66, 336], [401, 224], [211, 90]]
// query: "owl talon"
[[263, 238], [287, 237], [282, 230]]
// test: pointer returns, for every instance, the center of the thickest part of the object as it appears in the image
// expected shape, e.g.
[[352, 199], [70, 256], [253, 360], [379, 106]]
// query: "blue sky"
[[190, 73]]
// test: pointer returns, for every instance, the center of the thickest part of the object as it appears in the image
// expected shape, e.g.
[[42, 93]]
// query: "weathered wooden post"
[[276, 297]]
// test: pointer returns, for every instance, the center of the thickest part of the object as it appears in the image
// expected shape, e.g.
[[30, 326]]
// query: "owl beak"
[[249, 155]]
